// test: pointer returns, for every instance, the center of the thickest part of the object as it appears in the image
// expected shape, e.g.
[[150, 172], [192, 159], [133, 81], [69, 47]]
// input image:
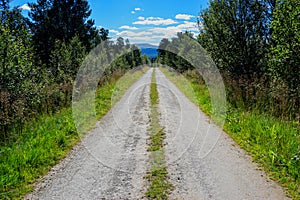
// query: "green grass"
[[273, 143], [46, 140], [42, 144], [157, 175]]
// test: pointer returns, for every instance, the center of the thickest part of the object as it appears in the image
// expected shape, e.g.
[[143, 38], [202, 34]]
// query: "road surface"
[[112, 159]]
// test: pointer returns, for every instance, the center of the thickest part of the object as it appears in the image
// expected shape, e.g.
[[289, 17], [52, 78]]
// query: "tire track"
[[111, 160]]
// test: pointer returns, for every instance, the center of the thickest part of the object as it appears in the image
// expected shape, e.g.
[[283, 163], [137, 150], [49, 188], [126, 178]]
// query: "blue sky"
[[142, 21]]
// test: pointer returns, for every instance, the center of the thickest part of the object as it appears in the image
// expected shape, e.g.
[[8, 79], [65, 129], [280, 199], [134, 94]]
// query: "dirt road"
[[203, 162], [112, 160]]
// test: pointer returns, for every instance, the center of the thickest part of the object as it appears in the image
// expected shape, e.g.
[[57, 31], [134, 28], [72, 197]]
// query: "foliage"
[[254, 44], [18, 77], [169, 56], [284, 62], [236, 33], [62, 20], [65, 60]]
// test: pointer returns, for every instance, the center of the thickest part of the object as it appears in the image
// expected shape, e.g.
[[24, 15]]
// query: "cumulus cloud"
[[155, 21], [128, 27], [113, 31], [184, 16], [141, 18], [161, 28], [132, 12], [25, 7], [131, 34], [137, 9], [171, 31]]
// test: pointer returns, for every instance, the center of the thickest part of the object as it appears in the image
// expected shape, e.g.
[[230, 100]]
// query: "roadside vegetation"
[[37, 74], [255, 45], [47, 139], [272, 143], [157, 175]]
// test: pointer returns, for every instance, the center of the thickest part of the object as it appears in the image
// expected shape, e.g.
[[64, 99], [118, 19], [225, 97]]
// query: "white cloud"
[[25, 7], [128, 27], [155, 33], [137, 9], [132, 12], [184, 16], [155, 21], [130, 34], [188, 26], [171, 31], [113, 31]]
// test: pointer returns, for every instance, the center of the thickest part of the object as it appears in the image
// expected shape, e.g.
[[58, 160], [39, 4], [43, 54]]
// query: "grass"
[[157, 175], [273, 143], [46, 140]]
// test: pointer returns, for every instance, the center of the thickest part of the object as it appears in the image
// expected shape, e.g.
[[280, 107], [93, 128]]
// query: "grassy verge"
[[157, 175], [273, 143], [46, 140]]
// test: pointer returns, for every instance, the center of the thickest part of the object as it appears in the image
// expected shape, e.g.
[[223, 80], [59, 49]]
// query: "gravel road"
[[203, 162], [111, 161]]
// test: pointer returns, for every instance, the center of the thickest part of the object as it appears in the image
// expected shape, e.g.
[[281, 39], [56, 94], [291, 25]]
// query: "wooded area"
[[256, 46], [40, 57]]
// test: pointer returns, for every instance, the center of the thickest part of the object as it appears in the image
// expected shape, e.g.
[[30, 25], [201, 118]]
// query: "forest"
[[40, 58], [255, 45]]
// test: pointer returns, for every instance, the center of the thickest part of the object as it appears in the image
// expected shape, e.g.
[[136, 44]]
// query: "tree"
[[169, 52], [236, 34], [284, 60], [62, 20], [102, 35], [66, 59], [17, 74]]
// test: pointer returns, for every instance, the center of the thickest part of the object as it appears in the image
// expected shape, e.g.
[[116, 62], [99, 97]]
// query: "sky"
[[141, 21]]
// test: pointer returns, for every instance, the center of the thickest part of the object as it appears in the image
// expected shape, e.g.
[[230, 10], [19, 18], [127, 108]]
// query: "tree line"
[[256, 46], [40, 57]]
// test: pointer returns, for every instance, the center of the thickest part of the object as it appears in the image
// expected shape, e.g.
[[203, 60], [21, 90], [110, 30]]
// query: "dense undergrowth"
[[272, 142], [48, 138]]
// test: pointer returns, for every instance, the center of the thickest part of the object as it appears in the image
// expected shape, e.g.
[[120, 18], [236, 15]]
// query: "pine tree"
[[61, 20]]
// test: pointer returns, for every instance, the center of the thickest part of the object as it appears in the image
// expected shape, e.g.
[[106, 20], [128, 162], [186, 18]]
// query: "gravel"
[[111, 160], [202, 160]]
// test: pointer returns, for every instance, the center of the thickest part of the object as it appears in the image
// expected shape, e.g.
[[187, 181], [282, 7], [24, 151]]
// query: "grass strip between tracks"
[[157, 175]]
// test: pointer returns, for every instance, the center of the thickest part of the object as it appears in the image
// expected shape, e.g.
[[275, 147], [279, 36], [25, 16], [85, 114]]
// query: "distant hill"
[[148, 49]]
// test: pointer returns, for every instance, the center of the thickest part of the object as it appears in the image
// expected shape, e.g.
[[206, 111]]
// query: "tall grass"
[[46, 140], [272, 142]]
